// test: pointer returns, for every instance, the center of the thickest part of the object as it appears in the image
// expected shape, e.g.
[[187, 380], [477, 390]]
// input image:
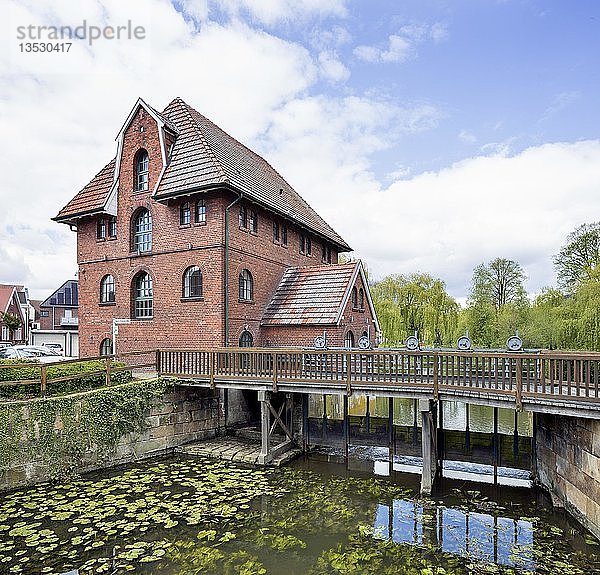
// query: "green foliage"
[[578, 257], [405, 304], [11, 321], [498, 283], [82, 377], [58, 432]]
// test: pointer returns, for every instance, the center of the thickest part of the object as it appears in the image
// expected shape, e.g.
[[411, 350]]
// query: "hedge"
[[55, 370]]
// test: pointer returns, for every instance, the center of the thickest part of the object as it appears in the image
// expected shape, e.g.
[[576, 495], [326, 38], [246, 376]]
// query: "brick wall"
[[177, 322]]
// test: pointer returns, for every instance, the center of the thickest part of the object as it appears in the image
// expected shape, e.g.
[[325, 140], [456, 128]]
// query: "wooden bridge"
[[565, 383]]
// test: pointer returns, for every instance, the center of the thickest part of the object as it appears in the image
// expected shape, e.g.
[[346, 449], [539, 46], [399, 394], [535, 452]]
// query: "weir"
[[565, 386]]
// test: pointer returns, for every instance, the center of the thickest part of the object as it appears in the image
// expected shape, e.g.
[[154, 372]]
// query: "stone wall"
[[568, 465], [179, 416]]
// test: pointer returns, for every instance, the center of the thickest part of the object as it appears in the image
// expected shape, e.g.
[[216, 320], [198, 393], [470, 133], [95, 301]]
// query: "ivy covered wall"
[[62, 436]]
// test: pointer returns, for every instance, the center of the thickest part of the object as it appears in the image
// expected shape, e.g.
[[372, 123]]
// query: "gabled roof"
[[92, 198], [6, 295], [10, 293], [67, 295], [205, 157], [314, 295]]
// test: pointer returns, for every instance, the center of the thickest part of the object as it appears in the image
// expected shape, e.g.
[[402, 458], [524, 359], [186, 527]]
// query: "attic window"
[[141, 166]]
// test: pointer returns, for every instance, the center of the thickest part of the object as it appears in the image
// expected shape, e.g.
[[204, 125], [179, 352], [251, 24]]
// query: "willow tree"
[[416, 302]]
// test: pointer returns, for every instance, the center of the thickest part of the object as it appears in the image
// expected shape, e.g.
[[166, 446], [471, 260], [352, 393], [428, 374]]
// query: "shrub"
[[82, 374]]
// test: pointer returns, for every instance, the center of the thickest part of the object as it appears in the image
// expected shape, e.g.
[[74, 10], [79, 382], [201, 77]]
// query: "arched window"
[[107, 289], [185, 214], [192, 282], [142, 231], [349, 340], [246, 339], [106, 347], [246, 286], [141, 171], [354, 297], [200, 212], [361, 299], [142, 296]]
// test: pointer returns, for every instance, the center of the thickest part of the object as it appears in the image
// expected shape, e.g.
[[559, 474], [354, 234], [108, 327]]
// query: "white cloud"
[[402, 46], [269, 12], [332, 68], [467, 137], [520, 207]]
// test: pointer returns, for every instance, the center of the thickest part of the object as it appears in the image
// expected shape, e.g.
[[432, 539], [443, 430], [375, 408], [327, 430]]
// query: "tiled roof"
[[205, 157], [92, 197], [311, 295], [6, 292]]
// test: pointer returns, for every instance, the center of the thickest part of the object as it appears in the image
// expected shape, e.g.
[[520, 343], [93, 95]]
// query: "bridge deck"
[[546, 382]]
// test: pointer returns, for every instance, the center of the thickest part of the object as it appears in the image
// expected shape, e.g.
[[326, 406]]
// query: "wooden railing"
[[518, 375], [558, 375], [111, 365]]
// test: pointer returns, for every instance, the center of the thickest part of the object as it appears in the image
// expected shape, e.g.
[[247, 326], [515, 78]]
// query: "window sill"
[[147, 253], [107, 303], [199, 223], [142, 318], [193, 298], [98, 240], [112, 238], [182, 226], [248, 301]]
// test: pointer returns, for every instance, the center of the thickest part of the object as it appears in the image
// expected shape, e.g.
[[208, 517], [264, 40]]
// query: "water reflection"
[[454, 417], [479, 536]]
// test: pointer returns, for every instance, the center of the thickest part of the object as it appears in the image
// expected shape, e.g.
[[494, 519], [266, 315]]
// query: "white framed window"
[[143, 298], [192, 282]]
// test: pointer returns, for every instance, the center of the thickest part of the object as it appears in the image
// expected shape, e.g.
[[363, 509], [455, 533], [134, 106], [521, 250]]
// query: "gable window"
[[246, 339], [305, 247], [325, 254], [185, 214], [101, 229], [142, 296], [361, 299], [275, 232], [349, 340], [112, 227], [107, 289], [141, 171], [106, 347], [283, 235], [142, 231], [354, 298], [192, 282], [253, 221], [243, 217], [246, 286], [200, 212]]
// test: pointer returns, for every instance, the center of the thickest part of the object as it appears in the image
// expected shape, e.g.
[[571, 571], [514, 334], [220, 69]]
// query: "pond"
[[193, 516]]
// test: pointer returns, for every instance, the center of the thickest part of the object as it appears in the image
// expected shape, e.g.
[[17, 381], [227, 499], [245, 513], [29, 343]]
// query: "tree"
[[498, 283], [12, 322], [416, 302], [578, 257]]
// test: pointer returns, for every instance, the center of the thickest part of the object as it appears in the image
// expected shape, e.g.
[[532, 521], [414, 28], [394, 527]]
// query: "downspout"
[[226, 273]]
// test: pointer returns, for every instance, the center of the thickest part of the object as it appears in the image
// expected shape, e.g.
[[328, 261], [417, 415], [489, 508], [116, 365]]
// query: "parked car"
[[30, 352], [56, 347], [5, 344]]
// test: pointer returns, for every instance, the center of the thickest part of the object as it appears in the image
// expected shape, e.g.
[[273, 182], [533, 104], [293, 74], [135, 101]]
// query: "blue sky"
[[433, 135]]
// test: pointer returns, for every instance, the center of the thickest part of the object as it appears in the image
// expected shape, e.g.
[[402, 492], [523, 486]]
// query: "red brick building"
[[191, 236]]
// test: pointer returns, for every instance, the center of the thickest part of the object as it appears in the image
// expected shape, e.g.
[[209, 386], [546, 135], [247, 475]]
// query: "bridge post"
[[265, 432], [428, 409]]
